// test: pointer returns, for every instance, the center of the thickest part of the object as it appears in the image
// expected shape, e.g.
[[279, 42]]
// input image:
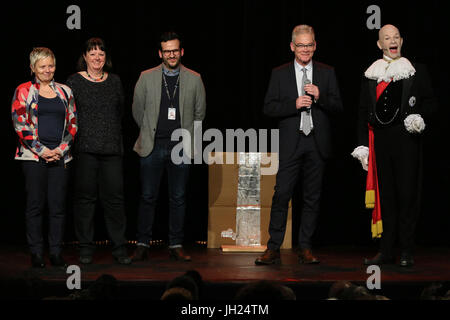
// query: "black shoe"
[[406, 261], [57, 261], [37, 261], [140, 254], [123, 259], [86, 259], [379, 259]]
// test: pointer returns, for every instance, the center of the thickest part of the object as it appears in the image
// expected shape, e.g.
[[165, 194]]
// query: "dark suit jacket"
[[417, 87], [280, 102]]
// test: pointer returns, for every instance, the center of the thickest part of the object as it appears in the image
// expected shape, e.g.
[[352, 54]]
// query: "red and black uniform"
[[398, 153]]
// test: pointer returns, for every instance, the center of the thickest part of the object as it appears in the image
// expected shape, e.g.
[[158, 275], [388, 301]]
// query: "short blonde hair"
[[39, 53], [303, 28]]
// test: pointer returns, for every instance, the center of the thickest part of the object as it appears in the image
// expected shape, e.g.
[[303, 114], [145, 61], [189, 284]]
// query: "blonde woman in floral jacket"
[[44, 119]]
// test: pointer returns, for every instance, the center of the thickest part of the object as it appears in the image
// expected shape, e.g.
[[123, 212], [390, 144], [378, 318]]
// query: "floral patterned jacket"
[[25, 120]]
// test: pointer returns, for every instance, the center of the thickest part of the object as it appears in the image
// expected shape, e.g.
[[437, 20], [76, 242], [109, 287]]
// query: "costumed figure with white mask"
[[395, 100]]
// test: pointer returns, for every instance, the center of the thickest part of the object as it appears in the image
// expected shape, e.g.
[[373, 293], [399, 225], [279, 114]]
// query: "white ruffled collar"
[[387, 69]]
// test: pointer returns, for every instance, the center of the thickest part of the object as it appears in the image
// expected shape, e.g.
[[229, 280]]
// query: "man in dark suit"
[[396, 96], [301, 95]]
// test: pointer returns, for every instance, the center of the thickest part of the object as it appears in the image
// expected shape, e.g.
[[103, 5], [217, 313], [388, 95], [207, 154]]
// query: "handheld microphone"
[[307, 81]]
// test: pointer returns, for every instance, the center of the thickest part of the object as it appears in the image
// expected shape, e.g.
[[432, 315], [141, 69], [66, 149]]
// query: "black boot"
[[140, 254], [406, 260], [37, 261], [57, 261]]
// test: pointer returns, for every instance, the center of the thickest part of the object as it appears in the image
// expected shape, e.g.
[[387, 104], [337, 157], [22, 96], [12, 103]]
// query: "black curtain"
[[234, 45]]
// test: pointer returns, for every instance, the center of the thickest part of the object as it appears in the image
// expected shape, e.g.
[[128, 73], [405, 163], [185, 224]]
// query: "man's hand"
[[312, 90], [303, 102]]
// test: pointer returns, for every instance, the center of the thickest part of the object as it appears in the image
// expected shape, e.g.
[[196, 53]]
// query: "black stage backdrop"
[[234, 45]]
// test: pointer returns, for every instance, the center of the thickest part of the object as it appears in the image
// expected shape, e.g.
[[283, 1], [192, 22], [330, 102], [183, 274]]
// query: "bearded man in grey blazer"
[[168, 98]]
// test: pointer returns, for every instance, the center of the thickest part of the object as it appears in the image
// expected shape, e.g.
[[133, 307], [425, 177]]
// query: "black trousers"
[[307, 165], [399, 168], [99, 177], [45, 183]]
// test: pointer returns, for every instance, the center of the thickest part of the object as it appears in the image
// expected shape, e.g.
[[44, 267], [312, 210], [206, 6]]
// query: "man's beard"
[[167, 64]]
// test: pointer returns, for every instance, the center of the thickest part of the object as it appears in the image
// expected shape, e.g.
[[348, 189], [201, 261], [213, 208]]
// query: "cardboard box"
[[224, 218], [223, 183], [222, 199]]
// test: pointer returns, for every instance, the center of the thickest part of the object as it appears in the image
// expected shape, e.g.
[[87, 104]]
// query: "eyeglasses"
[[168, 52], [304, 46]]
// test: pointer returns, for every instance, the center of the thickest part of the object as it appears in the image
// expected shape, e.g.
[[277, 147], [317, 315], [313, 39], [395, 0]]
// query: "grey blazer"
[[146, 106]]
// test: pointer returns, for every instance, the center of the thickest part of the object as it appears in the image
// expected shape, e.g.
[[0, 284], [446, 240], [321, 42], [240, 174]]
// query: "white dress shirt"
[[299, 74]]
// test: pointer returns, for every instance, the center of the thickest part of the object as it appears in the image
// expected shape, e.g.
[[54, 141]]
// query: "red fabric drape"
[[372, 190]]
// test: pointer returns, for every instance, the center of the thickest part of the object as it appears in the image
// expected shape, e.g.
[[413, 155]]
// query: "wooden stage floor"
[[223, 273]]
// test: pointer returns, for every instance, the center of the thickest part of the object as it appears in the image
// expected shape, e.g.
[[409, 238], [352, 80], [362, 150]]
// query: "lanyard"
[[174, 91]]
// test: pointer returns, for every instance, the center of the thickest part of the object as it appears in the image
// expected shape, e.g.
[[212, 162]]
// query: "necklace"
[[98, 79]]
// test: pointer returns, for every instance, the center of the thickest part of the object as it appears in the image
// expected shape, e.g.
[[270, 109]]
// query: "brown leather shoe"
[[305, 256], [269, 257], [140, 254], [178, 254]]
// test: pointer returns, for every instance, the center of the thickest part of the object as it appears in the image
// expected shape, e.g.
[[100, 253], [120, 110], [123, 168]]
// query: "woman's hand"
[[50, 155]]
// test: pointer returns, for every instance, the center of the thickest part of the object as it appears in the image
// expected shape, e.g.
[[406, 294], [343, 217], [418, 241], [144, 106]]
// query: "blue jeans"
[[152, 169]]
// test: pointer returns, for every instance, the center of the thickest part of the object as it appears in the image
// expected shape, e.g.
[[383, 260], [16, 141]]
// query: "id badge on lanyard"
[[171, 111]]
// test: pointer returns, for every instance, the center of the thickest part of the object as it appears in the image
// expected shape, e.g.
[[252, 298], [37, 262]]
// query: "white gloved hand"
[[362, 154], [414, 123]]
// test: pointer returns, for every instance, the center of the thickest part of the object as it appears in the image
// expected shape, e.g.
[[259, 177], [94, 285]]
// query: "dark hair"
[[265, 290], [195, 275], [89, 45], [169, 35], [338, 288]]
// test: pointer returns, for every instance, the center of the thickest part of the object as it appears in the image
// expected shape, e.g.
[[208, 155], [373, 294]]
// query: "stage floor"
[[223, 273]]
